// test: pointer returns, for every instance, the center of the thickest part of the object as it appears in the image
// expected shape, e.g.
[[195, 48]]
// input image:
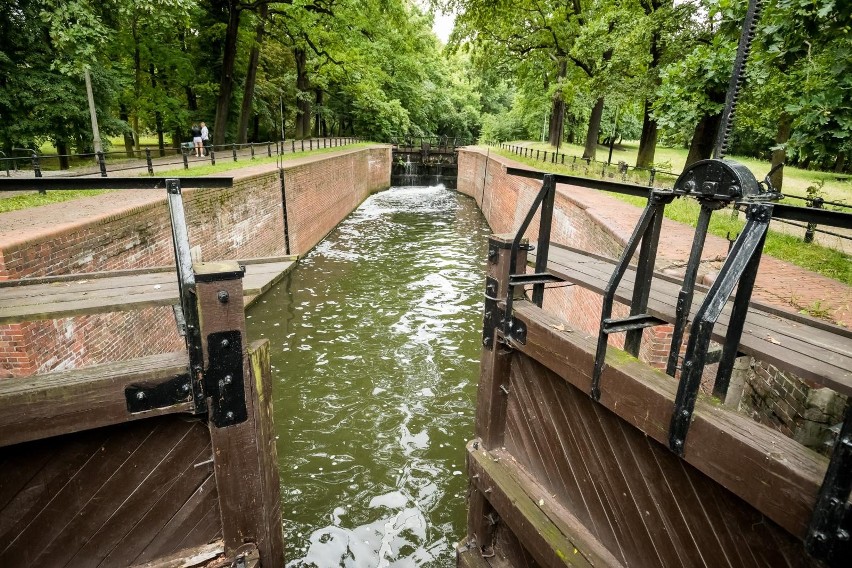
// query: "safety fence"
[[661, 179], [30, 162]]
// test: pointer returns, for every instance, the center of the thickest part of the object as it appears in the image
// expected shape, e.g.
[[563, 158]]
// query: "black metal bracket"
[[518, 331], [224, 378], [647, 232], [493, 316], [829, 531], [146, 396], [544, 200], [740, 271]]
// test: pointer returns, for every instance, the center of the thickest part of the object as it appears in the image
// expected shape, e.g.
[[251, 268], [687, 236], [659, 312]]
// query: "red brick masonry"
[[130, 229]]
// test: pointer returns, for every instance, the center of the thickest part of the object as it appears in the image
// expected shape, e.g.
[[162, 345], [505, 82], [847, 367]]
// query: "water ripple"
[[375, 340]]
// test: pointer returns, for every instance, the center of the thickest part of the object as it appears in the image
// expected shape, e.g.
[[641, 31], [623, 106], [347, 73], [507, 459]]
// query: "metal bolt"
[[504, 389], [185, 387], [678, 443], [225, 343], [223, 296], [842, 535], [229, 415], [228, 379], [684, 413], [820, 536], [846, 441], [140, 395]]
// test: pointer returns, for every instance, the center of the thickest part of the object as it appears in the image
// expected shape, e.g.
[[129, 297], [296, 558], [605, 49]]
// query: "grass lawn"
[[826, 261]]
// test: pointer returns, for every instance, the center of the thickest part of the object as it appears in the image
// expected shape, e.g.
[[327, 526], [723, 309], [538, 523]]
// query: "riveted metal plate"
[[142, 397], [224, 381]]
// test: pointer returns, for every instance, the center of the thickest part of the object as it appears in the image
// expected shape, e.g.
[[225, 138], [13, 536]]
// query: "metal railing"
[[143, 158], [587, 167], [656, 178]]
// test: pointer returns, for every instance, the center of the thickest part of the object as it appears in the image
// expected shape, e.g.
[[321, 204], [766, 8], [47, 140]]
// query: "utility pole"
[[95, 133]]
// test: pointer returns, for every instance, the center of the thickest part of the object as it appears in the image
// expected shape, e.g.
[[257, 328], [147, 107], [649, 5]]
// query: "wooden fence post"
[[237, 382], [494, 386]]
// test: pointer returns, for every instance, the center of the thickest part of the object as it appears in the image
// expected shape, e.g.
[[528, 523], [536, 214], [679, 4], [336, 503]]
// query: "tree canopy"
[[569, 70]]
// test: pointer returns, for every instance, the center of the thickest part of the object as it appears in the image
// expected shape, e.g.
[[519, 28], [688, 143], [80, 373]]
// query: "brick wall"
[[243, 221], [321, 193], [794, 407]]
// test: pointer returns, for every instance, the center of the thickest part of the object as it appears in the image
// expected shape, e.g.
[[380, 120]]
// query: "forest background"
[[569, 71]]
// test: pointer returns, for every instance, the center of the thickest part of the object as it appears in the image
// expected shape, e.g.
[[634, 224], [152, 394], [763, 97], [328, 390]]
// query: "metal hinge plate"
[[224, 381]]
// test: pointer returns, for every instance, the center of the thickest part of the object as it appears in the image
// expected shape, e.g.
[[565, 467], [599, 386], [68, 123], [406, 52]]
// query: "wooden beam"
[[773, 473], [47, 405], [246, 473], [551, 534], [188, 558], [121, 293]]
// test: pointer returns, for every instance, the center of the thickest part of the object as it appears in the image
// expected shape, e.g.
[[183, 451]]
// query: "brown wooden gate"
[[559, 479], [130, 463]]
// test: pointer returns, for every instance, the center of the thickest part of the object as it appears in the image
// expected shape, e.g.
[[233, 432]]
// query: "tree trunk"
[[191, 100], [703, 139], [128, 134], [62, 150], [251, 77], [158, 116], [785, 124], [840, 163], [226, 82], [303, 104], [593, 131], [318, 132], [648, 139], [557, 112], [137, 83], [161, 143]]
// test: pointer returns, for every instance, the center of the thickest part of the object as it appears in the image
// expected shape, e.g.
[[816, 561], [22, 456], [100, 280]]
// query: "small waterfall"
[[415, 169]]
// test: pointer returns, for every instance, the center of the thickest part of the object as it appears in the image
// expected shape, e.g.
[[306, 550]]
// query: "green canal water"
[[375, 350]]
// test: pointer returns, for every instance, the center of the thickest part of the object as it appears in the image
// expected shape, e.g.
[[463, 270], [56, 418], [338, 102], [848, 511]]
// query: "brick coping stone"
[[41, 223]]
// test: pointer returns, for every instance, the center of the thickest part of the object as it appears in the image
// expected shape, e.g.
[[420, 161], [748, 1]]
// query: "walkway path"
[[779, 283]]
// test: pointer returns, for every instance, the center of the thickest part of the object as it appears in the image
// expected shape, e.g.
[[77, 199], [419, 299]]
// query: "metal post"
[[251, 146], [269, 148], [212, 156], [102, 164], [817, 203], [36, 166], [149, 162], [96, 135], [303, 144], [293, 144], [311, 144], [684, 299], [653, 175], [234, 151], [185, 159]]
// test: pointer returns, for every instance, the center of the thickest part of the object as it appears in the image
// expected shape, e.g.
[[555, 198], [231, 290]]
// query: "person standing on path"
[[196, 140], [205, 139]]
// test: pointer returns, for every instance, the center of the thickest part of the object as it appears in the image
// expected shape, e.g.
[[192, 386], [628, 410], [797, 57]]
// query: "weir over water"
[[375, 352]]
